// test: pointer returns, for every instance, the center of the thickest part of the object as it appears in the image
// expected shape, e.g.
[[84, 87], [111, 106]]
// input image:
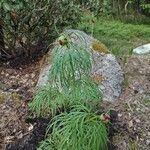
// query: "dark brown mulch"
[[31, 141], [17, 85], [130, 130]]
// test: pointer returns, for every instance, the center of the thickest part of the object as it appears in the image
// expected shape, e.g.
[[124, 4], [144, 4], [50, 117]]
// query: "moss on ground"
[[2, 98]]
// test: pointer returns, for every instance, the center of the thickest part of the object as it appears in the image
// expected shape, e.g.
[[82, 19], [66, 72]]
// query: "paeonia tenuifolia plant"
[[70, 98]]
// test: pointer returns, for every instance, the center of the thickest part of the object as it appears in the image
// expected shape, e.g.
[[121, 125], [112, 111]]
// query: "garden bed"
[[130, 130]]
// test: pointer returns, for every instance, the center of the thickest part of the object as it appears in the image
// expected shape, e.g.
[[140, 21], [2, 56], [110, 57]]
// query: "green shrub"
[[92, 5], [69, 62], [47, 101], [71, 97], [29, 25], [85, 91], [78, 130], [69, 81]]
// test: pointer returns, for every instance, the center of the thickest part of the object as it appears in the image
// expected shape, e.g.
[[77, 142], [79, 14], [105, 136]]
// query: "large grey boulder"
[[105, 70]]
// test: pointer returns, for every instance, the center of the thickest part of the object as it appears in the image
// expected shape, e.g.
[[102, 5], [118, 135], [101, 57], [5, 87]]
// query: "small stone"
[[32, 83], [20, 136], [119, 115], [144, 49], [141, 71], [137, 109], [147, 142], [17, 76], [8, 138], [14, 130], [130, 124], [32, 75], [12, 77], [10, 71], [24, 80], [2, 72], [26, 75], [141, 139], [4, 107], [30, 127], [7, 75], [138, 120]]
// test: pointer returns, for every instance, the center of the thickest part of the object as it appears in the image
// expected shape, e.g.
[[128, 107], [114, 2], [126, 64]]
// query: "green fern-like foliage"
[[73, 94], [49, 100], [86, 92], [78, 130], [69, 63], [69, 80]]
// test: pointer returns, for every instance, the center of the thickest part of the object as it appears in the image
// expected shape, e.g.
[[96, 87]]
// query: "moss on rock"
[[100, 47]]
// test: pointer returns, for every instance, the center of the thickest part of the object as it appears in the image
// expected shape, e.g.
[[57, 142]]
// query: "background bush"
[[29, 24], [26, 26]]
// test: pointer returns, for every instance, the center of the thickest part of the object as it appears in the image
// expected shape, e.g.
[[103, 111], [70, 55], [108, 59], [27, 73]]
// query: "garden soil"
[[19, 130]]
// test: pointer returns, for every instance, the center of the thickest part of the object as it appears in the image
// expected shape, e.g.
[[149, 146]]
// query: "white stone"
[[147, 142], [144, 49]]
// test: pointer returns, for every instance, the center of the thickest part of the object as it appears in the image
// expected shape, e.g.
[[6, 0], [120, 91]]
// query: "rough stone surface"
[[144, 49], [43, 78], [105, 66], [109, 69]]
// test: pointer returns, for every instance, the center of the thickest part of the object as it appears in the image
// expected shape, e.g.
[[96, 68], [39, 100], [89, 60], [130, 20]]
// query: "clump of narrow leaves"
[[69, 63], [69, 80], [70, 97], [29, 25], [49, 100], [86, 92], [78, 130]]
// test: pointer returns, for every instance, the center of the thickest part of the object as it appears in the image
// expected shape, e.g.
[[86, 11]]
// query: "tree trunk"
[[138, 3], [2, 47]]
